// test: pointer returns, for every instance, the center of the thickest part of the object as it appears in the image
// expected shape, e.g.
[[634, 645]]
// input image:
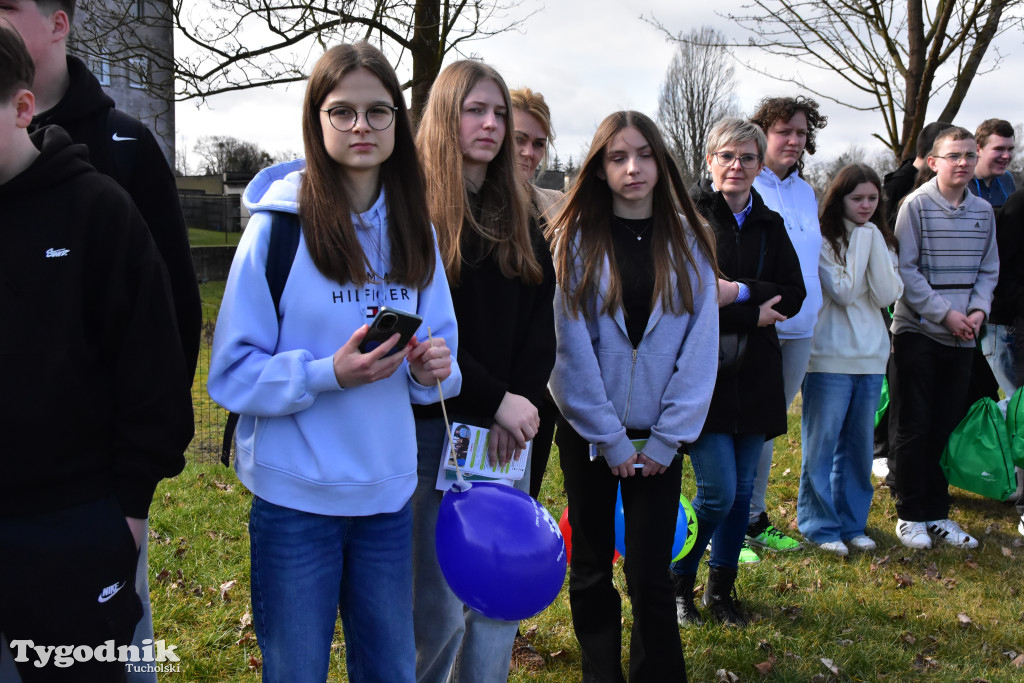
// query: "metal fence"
[[210, 417]]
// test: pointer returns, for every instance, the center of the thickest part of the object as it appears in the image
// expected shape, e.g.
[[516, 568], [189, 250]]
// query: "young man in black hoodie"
[[95, 413], [68, 95]]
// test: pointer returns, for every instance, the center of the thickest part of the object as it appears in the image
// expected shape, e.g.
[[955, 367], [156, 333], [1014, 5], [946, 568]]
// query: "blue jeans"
[[998, 346], [305, 567], [724, 466], [453, 642], [795, 355], [837, 430]]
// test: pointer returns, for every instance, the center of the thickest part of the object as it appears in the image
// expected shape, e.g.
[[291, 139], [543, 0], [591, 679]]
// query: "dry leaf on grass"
[[903, 580], [1018, 661], [765, 667], [830, 665], [246, 619], [224, 588], [723, 676], [963, 619]]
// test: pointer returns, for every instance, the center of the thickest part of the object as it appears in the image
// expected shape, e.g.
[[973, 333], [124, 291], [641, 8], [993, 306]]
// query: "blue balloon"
[[685, 518], [500, 551]]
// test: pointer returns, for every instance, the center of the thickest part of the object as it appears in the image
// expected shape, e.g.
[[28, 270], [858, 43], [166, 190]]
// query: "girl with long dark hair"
[[326, 441], [637, 324]]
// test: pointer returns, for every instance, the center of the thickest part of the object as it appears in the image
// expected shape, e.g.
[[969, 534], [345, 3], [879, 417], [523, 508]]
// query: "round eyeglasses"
[[378, 117], [727, 159]]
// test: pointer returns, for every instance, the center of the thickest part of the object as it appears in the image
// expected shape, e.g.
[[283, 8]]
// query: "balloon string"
[[447, 424]]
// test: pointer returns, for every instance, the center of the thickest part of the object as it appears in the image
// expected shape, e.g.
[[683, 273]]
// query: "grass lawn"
[[212, 238], [894, 614]]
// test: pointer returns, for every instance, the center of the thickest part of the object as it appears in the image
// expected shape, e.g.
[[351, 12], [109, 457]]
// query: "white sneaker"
[[861, 542], [913, 534], [837, 547], [949, 531], [880, 467], [1020, 527]]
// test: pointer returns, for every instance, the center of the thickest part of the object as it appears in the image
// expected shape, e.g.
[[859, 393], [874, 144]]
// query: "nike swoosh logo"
[[110, 591], [117, 138]]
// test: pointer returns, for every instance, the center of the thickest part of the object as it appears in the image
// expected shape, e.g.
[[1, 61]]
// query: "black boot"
[[719, 597], [686, 610]]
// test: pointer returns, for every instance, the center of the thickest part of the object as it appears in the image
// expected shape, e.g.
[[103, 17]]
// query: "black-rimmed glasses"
[[378, 117], [727, 159]]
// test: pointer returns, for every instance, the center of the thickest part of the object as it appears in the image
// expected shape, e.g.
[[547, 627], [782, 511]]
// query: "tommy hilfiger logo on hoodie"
[[57, 253]]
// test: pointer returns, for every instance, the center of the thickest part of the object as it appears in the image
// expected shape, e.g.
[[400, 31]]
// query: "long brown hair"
[[504, 227], [582, 231], [833, 209], [325, 204]]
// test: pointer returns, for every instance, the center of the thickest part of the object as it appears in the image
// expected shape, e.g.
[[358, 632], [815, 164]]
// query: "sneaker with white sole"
[[949, 531], [836, 547], [861, 542], [880, 468], [1020, 527], [764, 535], [747, 555], [913, 534]]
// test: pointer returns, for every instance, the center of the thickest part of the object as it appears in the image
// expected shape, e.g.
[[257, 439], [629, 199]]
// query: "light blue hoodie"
[[303, 442], [794, 200]]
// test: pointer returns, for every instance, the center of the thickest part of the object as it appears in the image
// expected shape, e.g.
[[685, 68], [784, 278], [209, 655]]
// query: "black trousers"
[[650, 505], [929, 401], [549, 415], [67, 578]]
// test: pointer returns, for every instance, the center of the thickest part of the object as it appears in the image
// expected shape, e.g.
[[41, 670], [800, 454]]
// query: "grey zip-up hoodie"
[[603, 385], [948, 259]]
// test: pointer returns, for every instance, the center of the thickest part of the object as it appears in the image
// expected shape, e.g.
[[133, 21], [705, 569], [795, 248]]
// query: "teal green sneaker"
[[747, 555], [763, 535]]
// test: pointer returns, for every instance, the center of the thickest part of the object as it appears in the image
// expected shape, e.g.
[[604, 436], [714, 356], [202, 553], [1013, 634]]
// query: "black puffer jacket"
[[751, 400]]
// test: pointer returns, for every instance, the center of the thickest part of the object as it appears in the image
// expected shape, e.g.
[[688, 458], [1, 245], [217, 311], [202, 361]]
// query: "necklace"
[[638, 235]]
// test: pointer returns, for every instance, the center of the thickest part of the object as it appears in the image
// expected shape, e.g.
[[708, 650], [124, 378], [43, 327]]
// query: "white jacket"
[[850, 336], [793, 199]]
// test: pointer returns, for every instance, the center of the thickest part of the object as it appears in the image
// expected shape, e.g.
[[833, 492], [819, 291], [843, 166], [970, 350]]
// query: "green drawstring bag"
[[1015, 426], [978, 456], [883, 401]]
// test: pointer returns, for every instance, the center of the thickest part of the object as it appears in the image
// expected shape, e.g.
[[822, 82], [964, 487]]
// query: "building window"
[[138, 72], [99, 65]]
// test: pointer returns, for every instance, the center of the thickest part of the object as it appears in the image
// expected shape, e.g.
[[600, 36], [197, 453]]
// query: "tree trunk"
[[426, 54]]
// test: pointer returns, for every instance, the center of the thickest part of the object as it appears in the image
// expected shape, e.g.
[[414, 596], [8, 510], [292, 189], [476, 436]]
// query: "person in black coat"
[[762, 284]]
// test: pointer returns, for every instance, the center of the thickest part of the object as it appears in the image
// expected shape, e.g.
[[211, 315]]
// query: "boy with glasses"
[[949, 266]]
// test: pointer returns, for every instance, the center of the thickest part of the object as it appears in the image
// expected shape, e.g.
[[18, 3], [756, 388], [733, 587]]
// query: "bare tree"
[[696, 93], [896, 54], [234, 45], [820, 172]]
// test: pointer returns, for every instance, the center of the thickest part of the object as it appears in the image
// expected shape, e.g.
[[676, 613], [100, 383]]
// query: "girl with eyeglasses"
[[327, 442], [760, 286], [637, 322], [502, 282], [859, 274]]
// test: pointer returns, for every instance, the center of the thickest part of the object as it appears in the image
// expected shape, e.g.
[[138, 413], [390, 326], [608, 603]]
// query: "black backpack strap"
[[284, 242]]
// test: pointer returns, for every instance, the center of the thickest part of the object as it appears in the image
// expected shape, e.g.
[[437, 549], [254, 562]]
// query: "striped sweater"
[[948, 260]]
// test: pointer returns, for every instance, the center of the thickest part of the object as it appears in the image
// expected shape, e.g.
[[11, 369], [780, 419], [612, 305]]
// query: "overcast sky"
[[590, 58]]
